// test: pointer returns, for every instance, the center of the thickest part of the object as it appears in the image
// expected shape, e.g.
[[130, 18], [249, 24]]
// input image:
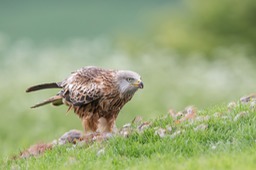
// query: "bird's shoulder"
[[96, 75], [90, 75], [88, 84]]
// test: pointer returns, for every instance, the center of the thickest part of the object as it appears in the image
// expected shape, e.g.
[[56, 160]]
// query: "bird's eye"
[[129, 79]]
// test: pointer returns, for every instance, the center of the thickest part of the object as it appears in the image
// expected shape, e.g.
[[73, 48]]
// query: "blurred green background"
[[187, 52]]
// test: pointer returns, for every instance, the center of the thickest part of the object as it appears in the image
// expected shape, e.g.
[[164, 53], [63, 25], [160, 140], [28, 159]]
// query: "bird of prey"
[[95, 94]]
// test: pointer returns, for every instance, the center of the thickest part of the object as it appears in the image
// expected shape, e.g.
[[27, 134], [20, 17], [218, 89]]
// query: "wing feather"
[[86, 85]]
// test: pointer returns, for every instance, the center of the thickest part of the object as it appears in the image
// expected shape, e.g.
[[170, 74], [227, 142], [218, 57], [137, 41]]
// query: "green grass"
[[225, 144]]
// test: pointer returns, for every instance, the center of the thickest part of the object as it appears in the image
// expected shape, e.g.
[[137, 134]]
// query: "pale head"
[[129, 81]]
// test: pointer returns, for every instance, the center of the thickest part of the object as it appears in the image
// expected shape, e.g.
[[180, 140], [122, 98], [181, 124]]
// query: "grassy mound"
[[220, 137]]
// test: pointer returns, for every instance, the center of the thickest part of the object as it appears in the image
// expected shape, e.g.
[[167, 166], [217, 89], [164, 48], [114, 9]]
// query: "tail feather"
[[54, 99], [43, 86]]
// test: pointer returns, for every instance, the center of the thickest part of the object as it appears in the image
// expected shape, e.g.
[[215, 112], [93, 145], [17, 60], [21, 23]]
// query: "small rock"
[[201, 127], [247, 99], [71, 136], [99, 137], [54, 143], [191, 110], [126, 130], [190, 113], [239, 115], [144, 126], [160, 132], [231, 106], [180, 113], [101, 152], [125, 133], [173, 114], [253, 104], [127, 125], [137, 120], [168, 128]]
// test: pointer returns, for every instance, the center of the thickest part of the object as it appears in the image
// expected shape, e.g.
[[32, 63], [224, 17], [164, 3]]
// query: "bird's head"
[[129, 81]]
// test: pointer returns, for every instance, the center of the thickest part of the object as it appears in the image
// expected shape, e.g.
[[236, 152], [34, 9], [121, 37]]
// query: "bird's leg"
[[89, 124], [103, 125], [107, 125], [105, 128]]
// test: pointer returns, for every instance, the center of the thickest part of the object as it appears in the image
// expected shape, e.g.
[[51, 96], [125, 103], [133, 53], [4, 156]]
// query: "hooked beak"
[[139, 84]]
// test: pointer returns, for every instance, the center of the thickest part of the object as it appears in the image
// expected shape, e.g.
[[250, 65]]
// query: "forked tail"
[[43, 86], [55, 100]]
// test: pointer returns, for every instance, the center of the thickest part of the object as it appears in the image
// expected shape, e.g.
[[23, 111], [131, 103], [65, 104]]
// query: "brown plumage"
[[96, 95]]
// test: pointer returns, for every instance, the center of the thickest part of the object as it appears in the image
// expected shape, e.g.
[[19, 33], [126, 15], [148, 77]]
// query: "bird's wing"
[[85, 85]]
